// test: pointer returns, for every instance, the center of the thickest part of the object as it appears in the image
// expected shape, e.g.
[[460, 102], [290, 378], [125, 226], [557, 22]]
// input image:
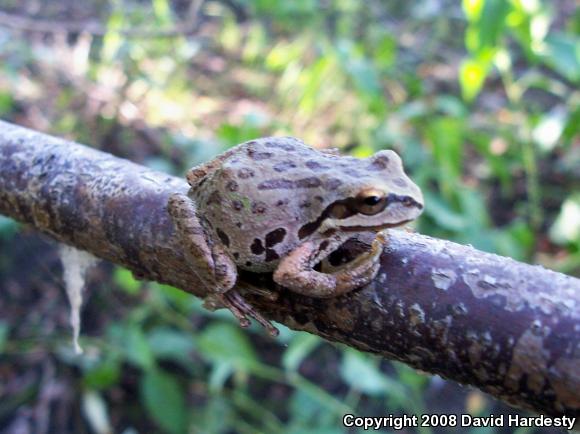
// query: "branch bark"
[[511, 329]]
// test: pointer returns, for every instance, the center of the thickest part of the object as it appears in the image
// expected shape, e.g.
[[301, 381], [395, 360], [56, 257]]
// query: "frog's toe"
[[246, 288], [241, 309]]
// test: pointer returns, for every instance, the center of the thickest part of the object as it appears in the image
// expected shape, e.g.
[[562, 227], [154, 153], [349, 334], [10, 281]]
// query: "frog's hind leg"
[[212, 264], [296, 273]]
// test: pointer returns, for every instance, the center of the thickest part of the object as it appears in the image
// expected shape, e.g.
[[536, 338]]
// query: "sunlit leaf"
[[550, 128], [471, 78], [472, 9], [95, 411], [566, 228], [124, 278], [162, 10]]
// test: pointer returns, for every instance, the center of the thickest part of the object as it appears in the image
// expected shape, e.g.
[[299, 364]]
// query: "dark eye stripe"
[[351, 207], [406, 200]]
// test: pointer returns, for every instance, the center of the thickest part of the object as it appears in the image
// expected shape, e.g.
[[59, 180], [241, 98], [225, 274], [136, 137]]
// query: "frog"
[[277, 205]]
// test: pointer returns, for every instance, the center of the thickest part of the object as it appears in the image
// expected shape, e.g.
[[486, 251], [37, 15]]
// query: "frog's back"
[[261, 195]]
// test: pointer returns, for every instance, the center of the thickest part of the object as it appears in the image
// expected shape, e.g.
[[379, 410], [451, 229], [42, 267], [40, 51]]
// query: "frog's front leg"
[[211, 263], [295, 270]]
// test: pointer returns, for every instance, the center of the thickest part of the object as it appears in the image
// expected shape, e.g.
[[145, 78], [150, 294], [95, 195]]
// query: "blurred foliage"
[[480, 99]]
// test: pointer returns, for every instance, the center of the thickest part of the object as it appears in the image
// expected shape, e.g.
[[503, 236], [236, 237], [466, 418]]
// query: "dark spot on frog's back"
[[258, 156], [276, 184], [282, 144], [271, 255], [257, 248], [214, 197], [332, 184], [315, 165], [310, 182], [282, 166], [237, 205], [232, 186], [223, 237], [400, 182], [378, 163], [282, 202], [351, 172], [245, 173], [259, 207], [275, 237]]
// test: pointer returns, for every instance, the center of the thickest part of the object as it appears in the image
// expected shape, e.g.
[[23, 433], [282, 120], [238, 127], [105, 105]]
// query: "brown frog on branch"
[[277, 205]]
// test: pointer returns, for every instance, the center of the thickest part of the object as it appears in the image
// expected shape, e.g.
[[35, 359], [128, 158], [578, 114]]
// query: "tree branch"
[[511, 329], [95, 28]]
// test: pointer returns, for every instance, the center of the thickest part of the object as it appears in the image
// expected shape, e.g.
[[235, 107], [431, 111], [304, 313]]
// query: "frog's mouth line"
[[373, 228]]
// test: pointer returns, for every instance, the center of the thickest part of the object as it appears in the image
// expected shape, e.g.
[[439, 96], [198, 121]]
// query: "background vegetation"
[[480, 98]]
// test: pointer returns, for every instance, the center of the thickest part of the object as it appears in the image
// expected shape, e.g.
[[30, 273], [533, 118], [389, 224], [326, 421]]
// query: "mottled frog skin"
[[277, 205]]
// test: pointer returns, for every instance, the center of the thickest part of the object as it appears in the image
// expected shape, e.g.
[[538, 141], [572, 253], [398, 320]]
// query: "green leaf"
[[217, 416], [8, 227], [124, 278], [6, 103], [3, 335], [164, 400], [562, 53], [492, 22], [103, 375], [361, 372], [440, 211], [220, 373], [138, 350], [132, 343], [302, 345], [162, 11], [446, 135], [385, 51], [225, 342], [171, 344]]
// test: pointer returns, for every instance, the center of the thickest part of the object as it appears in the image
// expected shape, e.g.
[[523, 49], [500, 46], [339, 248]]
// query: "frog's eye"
[[371, 203]]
